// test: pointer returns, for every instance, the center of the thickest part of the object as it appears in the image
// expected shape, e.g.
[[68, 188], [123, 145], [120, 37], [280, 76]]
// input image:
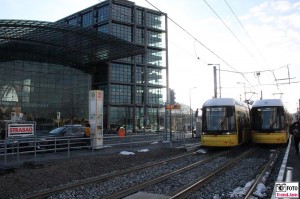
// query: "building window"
[[139, 36], [121, 13], [103, 28], [122, 31], [73, 21], [154, 76], [156, 57], [121, 73], [40, 90], [103, 13], [139, 59], [139, 18], [154, 20], [155, 39], [87, 19], [120, 94], [121, 116], [139, 75], [139, 95], [154, 96]]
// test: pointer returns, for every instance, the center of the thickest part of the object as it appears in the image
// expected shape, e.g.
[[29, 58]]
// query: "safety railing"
[[15, 152]]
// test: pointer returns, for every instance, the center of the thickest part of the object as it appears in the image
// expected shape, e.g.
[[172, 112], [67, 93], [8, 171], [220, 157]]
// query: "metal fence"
[[15, 152]]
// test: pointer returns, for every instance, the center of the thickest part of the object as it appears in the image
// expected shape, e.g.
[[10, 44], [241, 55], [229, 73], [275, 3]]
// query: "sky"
[[254, 45]]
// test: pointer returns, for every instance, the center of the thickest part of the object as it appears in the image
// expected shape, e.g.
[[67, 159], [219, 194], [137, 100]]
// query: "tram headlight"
[[226, 133]]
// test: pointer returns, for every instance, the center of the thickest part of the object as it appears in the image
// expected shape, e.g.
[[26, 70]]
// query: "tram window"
[[229, 112]]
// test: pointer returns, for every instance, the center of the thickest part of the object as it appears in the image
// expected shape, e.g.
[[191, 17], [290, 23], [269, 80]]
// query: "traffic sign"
[[173, 106]]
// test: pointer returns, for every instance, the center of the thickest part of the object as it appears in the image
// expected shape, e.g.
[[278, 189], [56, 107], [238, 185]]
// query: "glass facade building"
[[116, 46], [40, 90], [134, 86]]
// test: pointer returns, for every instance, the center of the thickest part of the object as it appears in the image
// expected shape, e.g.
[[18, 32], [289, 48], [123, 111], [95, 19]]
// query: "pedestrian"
[[121, 132], [87, 133], [294, 130]]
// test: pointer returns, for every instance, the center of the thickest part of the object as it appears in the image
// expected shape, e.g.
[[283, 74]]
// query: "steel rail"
[[61, 188], [267, 166], [157, 180], [183, 193]]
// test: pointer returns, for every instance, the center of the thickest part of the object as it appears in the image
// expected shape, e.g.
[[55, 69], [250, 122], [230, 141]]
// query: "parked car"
[[67, 131], [64, 137]]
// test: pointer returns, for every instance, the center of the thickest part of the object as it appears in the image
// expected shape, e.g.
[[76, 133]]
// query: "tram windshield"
[[267, 118], [218, 119]]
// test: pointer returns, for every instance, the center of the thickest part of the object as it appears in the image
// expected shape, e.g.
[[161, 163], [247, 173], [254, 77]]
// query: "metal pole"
[[191, 119], [245, 92], [215, 82], [219, 80], [170, 128], [191, 112]]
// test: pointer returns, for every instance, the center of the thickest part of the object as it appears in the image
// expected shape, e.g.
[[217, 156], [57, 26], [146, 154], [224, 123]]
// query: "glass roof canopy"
[[52, 42]]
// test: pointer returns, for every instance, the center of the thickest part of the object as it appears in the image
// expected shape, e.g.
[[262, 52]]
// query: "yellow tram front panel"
[[219, 140], [270, 138]]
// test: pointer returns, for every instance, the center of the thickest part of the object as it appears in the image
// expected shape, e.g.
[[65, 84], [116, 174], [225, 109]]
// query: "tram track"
[[200, 182], [173, 181], [249, 191], [140, 187], [131, 172], [262, 176], [73, 185]]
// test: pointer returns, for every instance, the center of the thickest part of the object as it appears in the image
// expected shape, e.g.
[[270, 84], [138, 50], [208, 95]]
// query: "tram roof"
[[223, 102], [58, 43], [267, 102]]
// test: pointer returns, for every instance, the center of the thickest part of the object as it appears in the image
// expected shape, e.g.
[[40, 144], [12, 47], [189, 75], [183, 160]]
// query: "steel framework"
[[53, 42]]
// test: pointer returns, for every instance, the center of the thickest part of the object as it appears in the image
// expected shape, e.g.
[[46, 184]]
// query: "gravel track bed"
[[169, 186], [173, 184], [27, 179], [224, 185], [270, 183], [132, 179], [113, 185]]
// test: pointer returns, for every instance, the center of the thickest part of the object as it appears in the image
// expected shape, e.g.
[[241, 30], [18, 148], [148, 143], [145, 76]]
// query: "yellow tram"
[[269, 122], [225, 123]]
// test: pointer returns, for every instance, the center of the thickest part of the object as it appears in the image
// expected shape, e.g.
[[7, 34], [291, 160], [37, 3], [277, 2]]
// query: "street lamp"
[[215, 79], [191, 110], [244, 89]]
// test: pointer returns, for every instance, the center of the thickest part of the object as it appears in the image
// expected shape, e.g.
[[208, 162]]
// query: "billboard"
[[20, 130]]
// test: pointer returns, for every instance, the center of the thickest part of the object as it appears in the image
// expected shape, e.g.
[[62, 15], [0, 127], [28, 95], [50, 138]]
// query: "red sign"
[[20, 130]]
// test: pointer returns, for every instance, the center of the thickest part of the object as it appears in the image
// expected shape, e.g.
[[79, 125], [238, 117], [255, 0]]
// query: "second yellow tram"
[[269, 122]]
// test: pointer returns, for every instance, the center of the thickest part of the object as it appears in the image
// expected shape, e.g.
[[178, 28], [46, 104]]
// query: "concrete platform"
[[291, 162]]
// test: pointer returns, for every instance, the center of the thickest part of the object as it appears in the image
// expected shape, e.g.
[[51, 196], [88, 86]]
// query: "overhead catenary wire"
[[272, 71], [208, 49], [246, 32], [215, 54], [234, 35], [192, 36]]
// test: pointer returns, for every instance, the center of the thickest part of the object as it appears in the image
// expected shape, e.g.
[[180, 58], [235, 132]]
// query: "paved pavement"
[[294, 162], [290, 167]]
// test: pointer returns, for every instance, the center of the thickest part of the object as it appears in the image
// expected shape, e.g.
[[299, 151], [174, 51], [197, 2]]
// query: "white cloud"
[[281, 6]]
